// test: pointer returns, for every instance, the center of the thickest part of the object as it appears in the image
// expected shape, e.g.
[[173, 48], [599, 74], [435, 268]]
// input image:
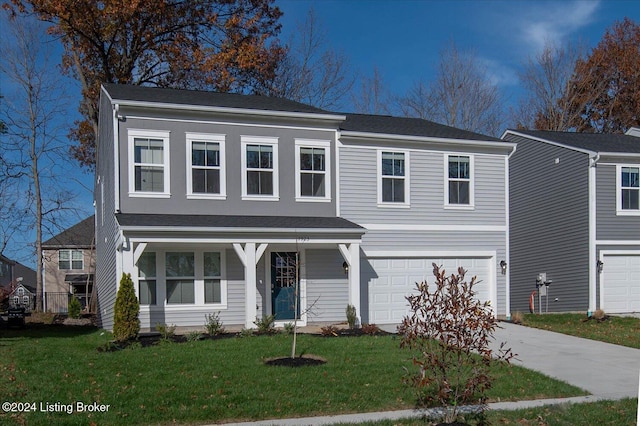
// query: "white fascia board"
[[226, 240], [408, 138], [228, 230], [620, 154], [547, 141], [229, 110]]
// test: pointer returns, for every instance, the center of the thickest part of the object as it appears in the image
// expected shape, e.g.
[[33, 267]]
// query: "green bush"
[[213, 324], [266, 325], [167, 332], [126, 324], [74, 307], [352, 316]]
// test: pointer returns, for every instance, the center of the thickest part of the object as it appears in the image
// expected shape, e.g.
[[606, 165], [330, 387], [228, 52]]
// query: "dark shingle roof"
[[209, 99], [386, 124], [227, 221], [79, 235], [596, 142]]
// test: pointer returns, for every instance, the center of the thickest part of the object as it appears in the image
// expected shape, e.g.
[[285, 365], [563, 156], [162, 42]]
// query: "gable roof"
[[595, 142], [79, 235], [123, 92], [347, 122], [386, 124]]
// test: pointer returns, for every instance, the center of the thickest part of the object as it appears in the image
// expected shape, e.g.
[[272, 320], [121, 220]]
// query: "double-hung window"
[[70, 259], [393, 178], [459, 181], [206, 166], [149, 163], [313, 182], [180, 276], [628, 189], [260, 168], [147, 289]]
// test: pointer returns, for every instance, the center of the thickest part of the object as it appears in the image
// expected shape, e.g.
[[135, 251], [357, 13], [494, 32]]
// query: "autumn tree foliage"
[[614, 62], [222, 45]]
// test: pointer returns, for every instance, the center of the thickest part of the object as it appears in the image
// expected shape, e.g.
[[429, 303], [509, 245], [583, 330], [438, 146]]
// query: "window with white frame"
[[212, 277], [149, 163], [180, 276], [459, 181], [313, 182], [206, 166], [393, 178], [260, 167], [70, 259], [628, 189], [147, 290]]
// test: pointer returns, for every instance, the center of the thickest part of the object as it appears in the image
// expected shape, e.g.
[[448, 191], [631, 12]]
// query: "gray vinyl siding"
[[178, 202], [327, 286], [106, 227], [609, 225], [549, 224], [359, 192]]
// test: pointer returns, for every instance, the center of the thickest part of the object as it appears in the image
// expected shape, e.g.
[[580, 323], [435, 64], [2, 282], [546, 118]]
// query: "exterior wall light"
[[599, 266], [503, 267], [345, 266]]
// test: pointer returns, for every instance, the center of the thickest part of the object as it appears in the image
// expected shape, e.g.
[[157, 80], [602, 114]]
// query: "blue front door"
[[284, 277]]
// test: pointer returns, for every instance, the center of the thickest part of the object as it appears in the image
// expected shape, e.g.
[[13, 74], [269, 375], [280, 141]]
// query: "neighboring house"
[[12, 274], [575, 215], [69, 266], [22, 297], [222, 202]]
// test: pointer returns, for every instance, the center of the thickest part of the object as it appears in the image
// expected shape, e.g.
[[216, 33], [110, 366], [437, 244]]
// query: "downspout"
[[116, 156], [507, 277], [593, 160]]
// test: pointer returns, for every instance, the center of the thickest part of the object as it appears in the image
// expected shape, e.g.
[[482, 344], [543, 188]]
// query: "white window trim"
[[198, 280], [310, 143], [407, 180], [260, 140], [156, 134], [213, 138], [471, 205], [619, 210]]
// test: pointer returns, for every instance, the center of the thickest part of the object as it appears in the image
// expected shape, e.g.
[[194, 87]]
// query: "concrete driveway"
[[604, 370]]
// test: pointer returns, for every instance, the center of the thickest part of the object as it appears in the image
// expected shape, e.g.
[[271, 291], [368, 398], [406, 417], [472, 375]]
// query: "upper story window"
[[149, 163], [206, 166], [393, 178], [70, 259], [260, 168], [628, 189], [459, 181], [313, 181]]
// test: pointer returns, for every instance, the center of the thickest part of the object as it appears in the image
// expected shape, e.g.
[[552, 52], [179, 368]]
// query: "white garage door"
[[397, 278], [621, 283]]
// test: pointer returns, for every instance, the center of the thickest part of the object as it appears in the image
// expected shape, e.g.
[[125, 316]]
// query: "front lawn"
[[623, 331], [215, 380]]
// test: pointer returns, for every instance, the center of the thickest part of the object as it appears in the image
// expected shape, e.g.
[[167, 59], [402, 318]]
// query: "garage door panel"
[[620, 283], [397, 278]]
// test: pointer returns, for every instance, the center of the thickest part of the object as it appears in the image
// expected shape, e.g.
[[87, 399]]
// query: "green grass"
[[617, 330], [602, 413], [217, 380]]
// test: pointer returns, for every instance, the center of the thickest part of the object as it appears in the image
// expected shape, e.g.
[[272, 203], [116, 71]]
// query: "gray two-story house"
[[575, 216], [229, 203]]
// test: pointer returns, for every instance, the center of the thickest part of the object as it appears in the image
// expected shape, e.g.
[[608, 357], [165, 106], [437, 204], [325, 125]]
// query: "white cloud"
[[554, 22]]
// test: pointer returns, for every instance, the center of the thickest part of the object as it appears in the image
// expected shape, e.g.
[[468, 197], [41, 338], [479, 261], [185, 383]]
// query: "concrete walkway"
[[604, 370]]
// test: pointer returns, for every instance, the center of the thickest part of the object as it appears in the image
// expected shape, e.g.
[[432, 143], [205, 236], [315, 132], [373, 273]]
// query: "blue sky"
[[403, 38]]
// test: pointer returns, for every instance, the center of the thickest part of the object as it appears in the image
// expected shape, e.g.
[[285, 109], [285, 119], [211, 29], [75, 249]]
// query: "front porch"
[[183, 273]]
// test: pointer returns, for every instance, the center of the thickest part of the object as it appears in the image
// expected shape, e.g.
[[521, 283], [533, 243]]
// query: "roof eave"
[[242, 230], [550, 142], [412, 138]]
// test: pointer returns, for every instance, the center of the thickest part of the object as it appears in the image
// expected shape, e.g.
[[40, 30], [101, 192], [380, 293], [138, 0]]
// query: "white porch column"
[[249, 256], [351, 254]]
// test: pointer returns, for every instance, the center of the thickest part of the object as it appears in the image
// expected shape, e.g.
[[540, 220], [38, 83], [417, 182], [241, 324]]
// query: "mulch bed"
[[299, 361]]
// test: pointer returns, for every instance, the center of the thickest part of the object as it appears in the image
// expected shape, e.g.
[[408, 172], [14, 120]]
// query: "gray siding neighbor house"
[[575, 215], [223, 202]]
